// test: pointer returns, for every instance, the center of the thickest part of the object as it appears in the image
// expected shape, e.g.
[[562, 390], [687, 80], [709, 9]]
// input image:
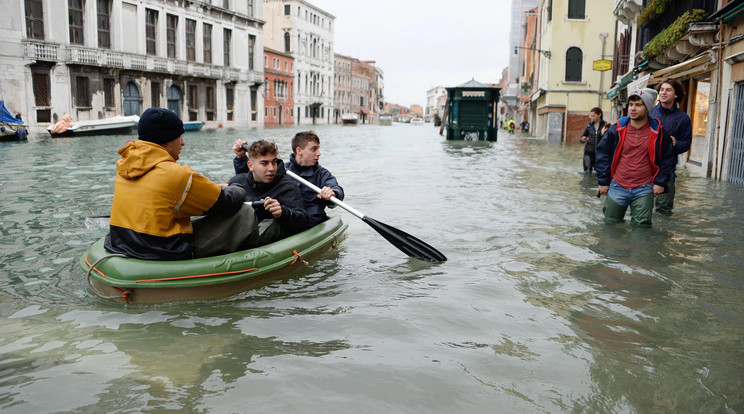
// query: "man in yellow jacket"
[[155, 198]]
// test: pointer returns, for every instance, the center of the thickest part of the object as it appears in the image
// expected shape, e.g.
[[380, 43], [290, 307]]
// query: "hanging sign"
[[602, 65]]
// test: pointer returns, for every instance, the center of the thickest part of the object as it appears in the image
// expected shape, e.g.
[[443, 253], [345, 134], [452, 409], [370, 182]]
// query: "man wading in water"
[[634, 162]]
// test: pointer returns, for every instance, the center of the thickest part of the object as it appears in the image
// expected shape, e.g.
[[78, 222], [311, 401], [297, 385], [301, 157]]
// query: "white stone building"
[[433, 98], [306, 32], [100, 58]]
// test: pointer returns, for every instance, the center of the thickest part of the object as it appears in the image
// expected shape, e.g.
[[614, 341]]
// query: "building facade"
[[434, 107], [305, 32], [278, 83], [510, 95], [357, 88], [119, 57], [572, 34]]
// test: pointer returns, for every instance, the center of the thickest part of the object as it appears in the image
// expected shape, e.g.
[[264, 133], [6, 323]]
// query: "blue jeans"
[[640, 200], [623, 196]]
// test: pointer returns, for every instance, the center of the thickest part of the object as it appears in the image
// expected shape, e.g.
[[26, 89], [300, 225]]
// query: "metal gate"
[[736, 161]]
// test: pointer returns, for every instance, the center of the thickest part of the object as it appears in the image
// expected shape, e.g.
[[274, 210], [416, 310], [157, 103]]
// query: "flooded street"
[[541, 307]]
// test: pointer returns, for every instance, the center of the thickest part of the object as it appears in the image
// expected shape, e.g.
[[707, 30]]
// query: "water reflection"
[[540, 308]]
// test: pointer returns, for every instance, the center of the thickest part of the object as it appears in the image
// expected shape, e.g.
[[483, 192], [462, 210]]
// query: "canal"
[[540, 308]]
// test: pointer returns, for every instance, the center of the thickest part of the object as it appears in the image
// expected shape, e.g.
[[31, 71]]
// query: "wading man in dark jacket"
[[283, 213], [634, 162], [155, 198], [678, 127], [591, 136]]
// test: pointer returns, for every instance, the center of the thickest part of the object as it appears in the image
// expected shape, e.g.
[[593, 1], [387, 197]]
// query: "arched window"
[[131, 99], [574, 62], [174, 97]]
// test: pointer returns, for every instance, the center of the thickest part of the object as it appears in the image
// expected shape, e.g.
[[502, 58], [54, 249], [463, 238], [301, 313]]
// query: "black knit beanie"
[[160, 126]]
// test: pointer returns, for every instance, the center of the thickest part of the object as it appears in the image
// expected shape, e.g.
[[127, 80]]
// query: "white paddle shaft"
[[335, 200]]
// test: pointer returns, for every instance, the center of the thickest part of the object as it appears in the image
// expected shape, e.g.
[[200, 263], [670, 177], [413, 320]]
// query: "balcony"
[[77, 55]]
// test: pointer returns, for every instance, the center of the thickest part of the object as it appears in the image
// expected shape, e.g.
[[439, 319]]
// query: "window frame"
[[77, 31], [151, 32], [33, 21]]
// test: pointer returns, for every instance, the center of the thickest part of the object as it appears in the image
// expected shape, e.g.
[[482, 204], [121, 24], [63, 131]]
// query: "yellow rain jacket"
[[154, 199]]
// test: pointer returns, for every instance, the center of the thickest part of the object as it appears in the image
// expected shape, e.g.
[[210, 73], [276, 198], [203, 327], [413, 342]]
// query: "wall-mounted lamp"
[[545, 53]]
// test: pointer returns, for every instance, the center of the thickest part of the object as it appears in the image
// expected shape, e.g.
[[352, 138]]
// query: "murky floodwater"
[[540, 308]]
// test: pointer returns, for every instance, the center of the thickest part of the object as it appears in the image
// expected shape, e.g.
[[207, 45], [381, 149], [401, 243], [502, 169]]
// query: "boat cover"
[[6, 117]]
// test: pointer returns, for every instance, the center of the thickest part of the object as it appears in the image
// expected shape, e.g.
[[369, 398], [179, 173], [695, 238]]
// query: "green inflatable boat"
[[147, 281]]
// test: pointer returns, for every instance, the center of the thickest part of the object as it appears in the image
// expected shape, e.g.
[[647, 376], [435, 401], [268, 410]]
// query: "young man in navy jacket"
[[678, 127], [634, 162]]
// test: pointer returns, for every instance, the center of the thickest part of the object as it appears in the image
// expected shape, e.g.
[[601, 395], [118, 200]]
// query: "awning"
[[639, 83], [612, 93], [682, 69], [365, 112]]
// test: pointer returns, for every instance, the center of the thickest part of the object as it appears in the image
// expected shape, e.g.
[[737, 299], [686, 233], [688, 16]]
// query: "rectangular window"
[[250, 8], [82, 92], [155, 94], [210, 103], [266, 111], [576, 9], [151, 30], [266, 61], [286, 66], [108, 92], [207, 42], [226, 42], [170, 34], [76, 21], [104, 24], [229, 102], [273, 110], [549, 9], [34, 19], [287, 8], [226, 4], [41, 89], [251, 50], [254, 111], [190, 40], [193, 102]]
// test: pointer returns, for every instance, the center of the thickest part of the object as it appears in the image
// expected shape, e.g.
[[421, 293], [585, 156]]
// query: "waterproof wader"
[[589, 158], [665, 202], [640, 210], [216, 235]]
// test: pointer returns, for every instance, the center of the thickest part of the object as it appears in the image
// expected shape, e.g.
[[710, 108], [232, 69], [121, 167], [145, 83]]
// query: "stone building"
[[278, 83], [358, 88], [305, 32], [100, 58], [433, 99]]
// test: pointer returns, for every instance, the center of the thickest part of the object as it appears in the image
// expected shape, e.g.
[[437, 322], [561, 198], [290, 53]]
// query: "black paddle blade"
[[406, 243]]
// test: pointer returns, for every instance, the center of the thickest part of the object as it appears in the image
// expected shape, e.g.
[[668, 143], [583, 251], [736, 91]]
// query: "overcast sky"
[[422, 44]]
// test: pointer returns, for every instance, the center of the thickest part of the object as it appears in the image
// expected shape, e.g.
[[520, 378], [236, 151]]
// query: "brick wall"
[[576, 123]]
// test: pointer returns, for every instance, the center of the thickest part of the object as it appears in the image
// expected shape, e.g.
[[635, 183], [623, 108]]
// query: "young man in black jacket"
[[283, 213]]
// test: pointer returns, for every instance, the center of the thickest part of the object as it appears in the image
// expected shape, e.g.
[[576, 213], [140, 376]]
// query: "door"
[[736, 160], [174, 97], [131, 99]]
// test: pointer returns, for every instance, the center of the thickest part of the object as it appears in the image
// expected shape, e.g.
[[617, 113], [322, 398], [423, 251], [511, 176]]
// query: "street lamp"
[[545, 53], [602, 36]]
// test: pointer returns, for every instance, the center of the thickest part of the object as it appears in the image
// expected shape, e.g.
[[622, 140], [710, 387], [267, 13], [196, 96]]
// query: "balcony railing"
[[46, 51]]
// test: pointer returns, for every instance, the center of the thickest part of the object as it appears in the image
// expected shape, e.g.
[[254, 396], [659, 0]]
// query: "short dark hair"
[[262, 147], [302, 138], [678, 89], [597, 110]]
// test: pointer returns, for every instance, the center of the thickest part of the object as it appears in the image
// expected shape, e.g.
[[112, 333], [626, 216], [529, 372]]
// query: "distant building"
[[511, 94], [114, 57], [305, 32], [417, 111], [278, 82], [357, 88], [433, 99], [573, 34]]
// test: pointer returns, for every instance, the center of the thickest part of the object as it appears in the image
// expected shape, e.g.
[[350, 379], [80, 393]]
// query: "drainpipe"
[[716, 173]]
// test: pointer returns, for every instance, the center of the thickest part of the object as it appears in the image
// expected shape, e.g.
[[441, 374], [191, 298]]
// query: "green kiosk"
[[470, 112]]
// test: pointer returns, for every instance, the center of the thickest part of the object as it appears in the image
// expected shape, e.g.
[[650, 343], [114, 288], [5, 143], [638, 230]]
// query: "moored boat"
[[193, 125], [150, 281], [386, 119], [350, 119], [11, 129], [108, 126], [417, 121]]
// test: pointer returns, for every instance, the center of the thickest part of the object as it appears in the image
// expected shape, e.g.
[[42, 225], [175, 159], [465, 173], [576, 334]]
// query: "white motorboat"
[[350, 119], [417, 121], [116, 125], [386, 119]]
